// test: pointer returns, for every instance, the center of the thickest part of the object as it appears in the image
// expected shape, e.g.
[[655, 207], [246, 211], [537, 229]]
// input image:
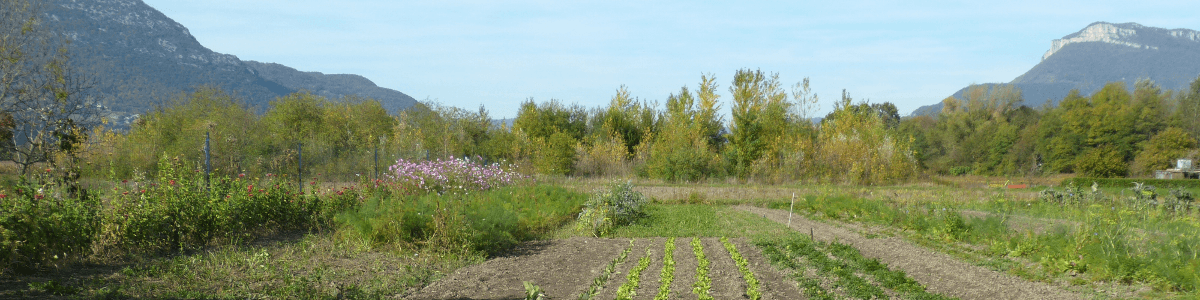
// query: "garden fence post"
[[207, 162], [300, 166], [790, 209], [376, 161]]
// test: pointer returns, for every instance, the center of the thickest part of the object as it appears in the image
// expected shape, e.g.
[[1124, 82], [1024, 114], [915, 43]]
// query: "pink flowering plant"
[[451, 175]]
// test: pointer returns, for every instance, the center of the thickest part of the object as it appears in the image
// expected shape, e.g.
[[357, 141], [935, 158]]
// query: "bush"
[[488, 222], [40, 225], [607, 209], [1128, 182], [178, 212]]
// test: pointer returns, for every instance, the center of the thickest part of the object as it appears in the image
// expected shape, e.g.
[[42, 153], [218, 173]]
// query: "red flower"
[[172, 182], [339, 193], [241, 175], [125, 181], [143, 191], [2, 196], [125, 193], [39, 197]]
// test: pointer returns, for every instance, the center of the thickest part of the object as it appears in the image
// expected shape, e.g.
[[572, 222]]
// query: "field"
[[710, 241]]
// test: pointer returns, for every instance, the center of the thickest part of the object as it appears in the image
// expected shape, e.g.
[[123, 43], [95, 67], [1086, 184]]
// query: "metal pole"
[[376, 161], [207, 161]]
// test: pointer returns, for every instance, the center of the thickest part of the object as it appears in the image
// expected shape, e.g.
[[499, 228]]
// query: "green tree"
[[1161, 151], [759, 108]]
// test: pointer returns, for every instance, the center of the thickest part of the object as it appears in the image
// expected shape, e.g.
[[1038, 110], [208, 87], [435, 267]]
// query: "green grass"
[[313, 267], [698, 220], [1106, 239]]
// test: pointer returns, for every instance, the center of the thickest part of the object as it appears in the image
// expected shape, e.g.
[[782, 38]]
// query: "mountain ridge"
[[1105, 52], [141, 57]]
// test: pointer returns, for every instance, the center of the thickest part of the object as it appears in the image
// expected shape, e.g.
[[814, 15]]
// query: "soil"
[[773, 284], [651, 277], [727, 281], [618, 278], [565, 268], [940, 273], [685, 270], [562, 268]]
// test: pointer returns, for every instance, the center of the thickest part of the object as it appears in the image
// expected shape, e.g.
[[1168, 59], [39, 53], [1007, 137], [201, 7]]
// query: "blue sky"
[[497, 54]]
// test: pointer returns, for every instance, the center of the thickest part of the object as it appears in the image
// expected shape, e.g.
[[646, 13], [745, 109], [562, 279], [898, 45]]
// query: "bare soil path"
[[939, 272]]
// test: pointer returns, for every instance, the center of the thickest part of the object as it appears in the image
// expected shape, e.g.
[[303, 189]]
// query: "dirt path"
[[940, 273]]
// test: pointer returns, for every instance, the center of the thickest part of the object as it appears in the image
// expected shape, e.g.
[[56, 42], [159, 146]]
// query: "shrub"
[[617, 206], [488, 222], [178, 211], [40, 225]]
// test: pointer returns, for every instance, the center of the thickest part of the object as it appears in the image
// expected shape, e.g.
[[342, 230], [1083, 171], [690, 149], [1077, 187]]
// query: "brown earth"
[[565, 268], [939, 272], [562, 268]]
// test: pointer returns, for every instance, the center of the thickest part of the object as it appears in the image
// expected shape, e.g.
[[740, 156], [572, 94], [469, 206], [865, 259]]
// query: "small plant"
[[534, 292], [628, 290], [744, 267], [668, 270], [617, 206], [599, 281], [703, 282]]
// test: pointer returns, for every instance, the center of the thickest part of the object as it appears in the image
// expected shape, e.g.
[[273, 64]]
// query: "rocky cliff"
[[1106, 52]]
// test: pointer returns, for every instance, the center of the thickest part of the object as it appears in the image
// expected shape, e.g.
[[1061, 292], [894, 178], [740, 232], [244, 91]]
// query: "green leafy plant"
[[752, 283], [629, 290], [667, 276], [534, 292], [600, 280], [703, 283]]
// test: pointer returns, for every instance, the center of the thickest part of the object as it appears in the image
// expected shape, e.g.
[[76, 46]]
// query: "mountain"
[[1106, 52], [140, 58]]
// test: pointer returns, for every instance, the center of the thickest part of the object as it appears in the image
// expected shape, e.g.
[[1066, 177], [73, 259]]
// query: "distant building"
[[1184, 169]]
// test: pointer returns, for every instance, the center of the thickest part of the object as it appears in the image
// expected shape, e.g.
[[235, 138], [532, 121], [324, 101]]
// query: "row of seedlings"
[[843, 264], [743, 265], [627, 290], [667, 276], [703, 282], [604, 275]]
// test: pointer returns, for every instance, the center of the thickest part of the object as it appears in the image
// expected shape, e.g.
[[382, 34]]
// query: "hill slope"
[[141, 57], [1105, 52]]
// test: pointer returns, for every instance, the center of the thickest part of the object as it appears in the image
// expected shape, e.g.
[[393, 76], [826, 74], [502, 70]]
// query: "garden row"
[[699, 285], [838, 271]]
